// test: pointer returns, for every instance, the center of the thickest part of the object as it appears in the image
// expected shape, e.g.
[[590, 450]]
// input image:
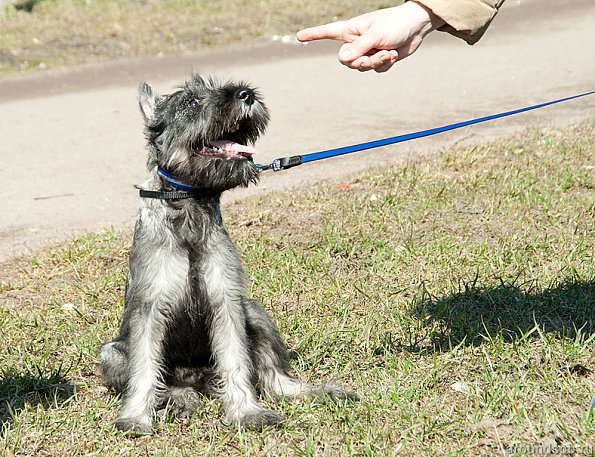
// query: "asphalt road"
[[72, 144]]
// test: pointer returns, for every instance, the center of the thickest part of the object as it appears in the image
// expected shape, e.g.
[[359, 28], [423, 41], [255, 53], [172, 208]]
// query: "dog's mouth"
[[226, 149]]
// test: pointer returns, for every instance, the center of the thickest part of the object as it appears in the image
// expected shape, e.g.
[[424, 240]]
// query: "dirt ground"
[[72, 143]]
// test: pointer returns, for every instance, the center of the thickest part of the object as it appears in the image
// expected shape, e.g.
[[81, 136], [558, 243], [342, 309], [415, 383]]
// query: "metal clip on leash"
[[282, 164]]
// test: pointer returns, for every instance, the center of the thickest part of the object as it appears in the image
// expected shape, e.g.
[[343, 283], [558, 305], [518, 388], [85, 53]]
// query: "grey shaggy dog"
[[189, 326]]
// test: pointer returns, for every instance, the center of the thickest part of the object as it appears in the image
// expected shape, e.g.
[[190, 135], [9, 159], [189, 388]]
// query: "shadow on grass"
[[508, 311], [17, 391]]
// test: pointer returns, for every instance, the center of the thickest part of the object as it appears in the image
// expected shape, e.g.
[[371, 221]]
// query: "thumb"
[[357, 48]]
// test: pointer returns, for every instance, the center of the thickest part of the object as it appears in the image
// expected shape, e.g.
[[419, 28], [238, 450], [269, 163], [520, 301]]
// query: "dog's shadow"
[[473, 314], [19, 391]]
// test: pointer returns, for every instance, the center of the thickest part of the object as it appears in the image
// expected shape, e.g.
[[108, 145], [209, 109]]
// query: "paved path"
[[72, 145]]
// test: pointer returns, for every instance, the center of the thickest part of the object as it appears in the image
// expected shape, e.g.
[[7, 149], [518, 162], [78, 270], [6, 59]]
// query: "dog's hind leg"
[[271, 359], [114, 365]]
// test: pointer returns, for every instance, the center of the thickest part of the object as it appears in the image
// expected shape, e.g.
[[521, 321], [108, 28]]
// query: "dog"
[[189, 327]]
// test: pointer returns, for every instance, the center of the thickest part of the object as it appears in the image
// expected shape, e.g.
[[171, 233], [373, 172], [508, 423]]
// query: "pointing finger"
[[332, 31]]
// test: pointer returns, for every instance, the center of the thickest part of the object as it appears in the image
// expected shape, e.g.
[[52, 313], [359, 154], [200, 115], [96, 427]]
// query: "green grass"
[[74, 32], [455, 295]]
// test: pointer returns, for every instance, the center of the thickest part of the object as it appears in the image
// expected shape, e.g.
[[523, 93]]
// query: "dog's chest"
[[189, 258], [216, 283], [221, 270]]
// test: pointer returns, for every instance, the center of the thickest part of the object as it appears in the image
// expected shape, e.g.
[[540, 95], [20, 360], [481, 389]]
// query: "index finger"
[[332, 31]]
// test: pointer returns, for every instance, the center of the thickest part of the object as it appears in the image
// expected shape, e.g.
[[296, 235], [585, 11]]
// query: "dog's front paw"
[[133, 427], [260, 419]]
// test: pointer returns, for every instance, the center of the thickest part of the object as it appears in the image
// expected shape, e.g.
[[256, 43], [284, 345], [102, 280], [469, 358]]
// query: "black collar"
[[183, 190], [172, 194]]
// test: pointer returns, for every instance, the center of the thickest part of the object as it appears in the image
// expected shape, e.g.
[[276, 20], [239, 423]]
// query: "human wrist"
[[426, 18]]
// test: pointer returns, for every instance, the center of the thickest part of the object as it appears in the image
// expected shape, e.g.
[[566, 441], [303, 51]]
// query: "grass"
[[74, 32], [455, 295]]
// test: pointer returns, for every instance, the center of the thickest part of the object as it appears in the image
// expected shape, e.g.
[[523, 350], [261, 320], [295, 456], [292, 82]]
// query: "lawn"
[[61, 33], [454, 294]]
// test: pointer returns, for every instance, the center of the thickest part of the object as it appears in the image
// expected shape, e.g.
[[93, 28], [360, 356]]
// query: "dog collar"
[[174, 182], [169, 195], [184, 191]]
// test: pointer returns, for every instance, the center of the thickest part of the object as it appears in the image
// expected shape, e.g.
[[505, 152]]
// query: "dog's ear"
[[147, 99]]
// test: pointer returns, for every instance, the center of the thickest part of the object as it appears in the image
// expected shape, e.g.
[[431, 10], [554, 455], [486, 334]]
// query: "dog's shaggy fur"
[[189, 326]]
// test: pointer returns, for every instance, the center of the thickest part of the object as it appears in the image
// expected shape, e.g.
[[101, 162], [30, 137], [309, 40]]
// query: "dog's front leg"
[[144, 378], [229, 341], [156, 283]]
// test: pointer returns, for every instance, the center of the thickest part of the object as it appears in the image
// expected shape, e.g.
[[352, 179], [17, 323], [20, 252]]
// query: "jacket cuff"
[[466, 19]]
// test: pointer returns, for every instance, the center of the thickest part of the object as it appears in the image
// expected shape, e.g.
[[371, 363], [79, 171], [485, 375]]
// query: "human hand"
[[377, 40]]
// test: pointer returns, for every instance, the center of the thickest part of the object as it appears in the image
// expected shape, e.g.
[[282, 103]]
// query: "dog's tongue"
[[230, 146]]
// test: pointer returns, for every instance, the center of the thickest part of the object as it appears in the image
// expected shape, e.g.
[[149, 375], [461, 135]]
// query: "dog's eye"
[[193, 103]]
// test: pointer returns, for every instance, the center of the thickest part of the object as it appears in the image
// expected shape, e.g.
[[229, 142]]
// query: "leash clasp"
[[286, 162], [281, 164]]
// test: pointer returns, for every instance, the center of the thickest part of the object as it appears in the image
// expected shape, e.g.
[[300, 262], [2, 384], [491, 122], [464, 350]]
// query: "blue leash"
[[292, 161]]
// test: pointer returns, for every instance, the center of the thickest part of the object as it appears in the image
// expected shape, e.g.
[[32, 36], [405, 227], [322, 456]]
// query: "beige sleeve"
[[466, 19]]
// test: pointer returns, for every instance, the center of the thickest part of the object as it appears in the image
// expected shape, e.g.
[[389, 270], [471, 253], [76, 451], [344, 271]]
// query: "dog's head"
[[203, 133]]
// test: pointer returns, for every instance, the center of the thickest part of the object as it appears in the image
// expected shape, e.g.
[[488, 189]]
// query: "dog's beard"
[[214, 173]]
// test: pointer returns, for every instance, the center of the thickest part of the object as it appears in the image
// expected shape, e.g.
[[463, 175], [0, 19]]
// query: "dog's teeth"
[[215, 148]]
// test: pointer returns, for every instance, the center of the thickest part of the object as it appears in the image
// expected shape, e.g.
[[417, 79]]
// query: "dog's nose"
[[245, 94]]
